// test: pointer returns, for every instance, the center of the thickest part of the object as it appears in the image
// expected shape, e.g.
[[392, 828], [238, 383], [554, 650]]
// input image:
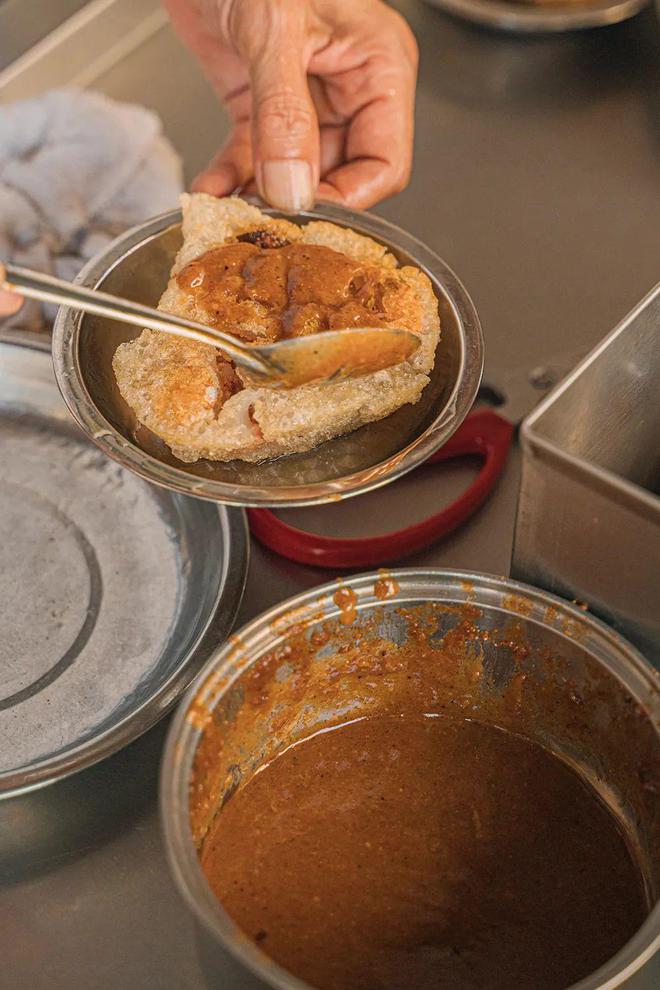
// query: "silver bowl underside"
[[541, 18]]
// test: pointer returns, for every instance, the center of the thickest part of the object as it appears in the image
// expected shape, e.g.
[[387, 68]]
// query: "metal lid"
[[113, 592]]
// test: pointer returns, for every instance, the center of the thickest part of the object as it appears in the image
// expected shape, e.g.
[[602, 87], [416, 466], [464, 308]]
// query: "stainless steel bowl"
[[113, 593], [541, 18], [589, 696], [137, 266]]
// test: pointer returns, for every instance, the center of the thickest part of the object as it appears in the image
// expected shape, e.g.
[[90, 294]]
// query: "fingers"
[[285, 136], [378, 148], [232, 167], [10, 303], [333, 143], [275, 42], [350, 140], [375, 95]]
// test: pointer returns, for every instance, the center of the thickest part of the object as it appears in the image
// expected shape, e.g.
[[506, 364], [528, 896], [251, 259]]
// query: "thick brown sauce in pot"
[[425, 852]]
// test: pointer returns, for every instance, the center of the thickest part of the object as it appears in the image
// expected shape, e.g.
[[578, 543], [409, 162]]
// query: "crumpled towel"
[[77, 169]]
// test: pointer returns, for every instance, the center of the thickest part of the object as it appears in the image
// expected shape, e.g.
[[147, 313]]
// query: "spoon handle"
[[46, 288]]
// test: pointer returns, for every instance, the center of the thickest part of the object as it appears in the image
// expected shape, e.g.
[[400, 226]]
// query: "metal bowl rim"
[[181, 742], [530, 18], [71, 382], [217, 626]]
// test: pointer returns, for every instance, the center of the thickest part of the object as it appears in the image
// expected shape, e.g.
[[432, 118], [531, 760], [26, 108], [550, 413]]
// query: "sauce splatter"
[[345, 599], [385, 586]]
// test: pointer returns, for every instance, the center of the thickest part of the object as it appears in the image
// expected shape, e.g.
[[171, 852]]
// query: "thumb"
[[285, 130]]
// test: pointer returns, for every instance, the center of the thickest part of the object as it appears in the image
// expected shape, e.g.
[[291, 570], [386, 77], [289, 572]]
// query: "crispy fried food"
[[263, 279]]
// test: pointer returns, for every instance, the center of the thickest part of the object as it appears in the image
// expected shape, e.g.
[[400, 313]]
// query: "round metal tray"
[[137, 266], [113, 593], [537, 17]]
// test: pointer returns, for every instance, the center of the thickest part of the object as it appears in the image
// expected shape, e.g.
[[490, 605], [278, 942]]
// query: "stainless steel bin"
[[588, 523]]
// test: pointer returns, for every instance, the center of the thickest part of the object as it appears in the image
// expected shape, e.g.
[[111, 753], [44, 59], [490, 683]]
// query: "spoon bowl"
[[334, 354]]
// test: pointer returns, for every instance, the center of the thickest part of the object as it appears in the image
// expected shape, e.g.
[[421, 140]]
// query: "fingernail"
[[287, 184]]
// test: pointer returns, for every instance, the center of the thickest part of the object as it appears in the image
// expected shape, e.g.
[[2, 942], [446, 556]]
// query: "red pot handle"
[[484, 434]]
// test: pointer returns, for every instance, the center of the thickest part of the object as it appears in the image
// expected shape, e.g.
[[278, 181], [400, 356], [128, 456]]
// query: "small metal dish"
[[113, 593], [539, 18], [137, 267], [582, 692]]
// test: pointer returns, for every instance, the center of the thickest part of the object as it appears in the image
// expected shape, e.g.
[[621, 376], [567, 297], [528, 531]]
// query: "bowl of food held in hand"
[[419, 779], [183, 415]]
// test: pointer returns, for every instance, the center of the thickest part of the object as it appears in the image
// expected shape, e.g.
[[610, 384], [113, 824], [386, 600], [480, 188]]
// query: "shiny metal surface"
[[46, 288], [20, 30], [540, 16], [80, 41], [549, 627], [113, 593], [286, 362], [136, 266], [537, 172], [588, 522]]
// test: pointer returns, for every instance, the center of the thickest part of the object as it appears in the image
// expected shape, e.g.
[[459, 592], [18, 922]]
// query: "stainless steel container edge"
[[232, 959], [588, 520]]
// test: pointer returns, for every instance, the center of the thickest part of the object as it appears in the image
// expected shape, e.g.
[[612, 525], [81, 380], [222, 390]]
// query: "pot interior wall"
[[461, 660]]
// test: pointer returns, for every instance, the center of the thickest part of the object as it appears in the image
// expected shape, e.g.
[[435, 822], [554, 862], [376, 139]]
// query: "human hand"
[[10, 303], [320, 94]]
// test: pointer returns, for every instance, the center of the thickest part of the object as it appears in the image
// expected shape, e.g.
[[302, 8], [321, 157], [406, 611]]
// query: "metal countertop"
[[537, 178]]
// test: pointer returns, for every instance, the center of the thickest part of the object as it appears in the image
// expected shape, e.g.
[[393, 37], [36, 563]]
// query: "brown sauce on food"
[[424, 852], [264, 288]]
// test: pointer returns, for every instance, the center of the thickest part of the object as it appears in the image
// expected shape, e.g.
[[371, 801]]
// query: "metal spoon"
[[327, 356]]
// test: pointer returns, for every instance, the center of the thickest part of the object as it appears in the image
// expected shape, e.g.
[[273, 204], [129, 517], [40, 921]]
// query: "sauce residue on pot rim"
[[424, 852], [385, 586], [345, 599], [434, 657]]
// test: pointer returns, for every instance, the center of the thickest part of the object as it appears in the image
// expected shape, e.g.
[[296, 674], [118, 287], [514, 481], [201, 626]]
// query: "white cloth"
[[77, 169]]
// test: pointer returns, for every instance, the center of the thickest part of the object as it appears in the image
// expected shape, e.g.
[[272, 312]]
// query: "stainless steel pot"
[[579, 689], [137, 265]]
